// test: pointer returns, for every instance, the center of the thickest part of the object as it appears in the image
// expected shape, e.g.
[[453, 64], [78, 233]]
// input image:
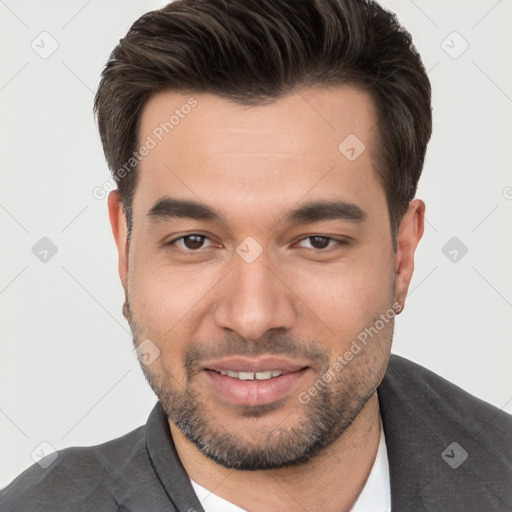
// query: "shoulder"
[[426, 391], [446, 448], [79, 478]]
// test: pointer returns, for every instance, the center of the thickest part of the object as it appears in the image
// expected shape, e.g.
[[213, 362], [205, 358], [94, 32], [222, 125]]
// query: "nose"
[[255, 299]]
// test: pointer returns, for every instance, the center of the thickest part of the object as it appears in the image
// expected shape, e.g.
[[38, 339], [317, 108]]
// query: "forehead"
[[315, 143]]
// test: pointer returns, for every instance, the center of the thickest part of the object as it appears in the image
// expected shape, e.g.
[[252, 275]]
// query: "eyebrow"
[[326, 210], [169, 208]]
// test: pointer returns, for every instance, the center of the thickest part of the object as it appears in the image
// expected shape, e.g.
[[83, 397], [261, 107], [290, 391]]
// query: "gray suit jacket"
[[448, 452]]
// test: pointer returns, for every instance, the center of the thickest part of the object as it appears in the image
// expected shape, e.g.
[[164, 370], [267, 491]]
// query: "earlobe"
[[409, 235], [120, 232]]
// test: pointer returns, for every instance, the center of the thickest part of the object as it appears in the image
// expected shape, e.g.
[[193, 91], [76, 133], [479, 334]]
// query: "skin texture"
[[201, 301]]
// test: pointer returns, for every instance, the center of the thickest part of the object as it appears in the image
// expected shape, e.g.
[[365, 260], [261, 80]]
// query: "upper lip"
[[254, 365]]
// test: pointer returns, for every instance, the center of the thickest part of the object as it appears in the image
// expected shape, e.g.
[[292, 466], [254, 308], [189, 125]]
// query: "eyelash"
[[330, 240], [182, 238]]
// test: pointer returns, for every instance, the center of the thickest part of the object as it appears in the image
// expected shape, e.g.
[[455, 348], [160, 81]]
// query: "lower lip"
[[254, 392]]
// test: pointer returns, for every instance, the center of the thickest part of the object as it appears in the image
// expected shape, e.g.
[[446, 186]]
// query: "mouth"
[[265, 375], [250, 382]]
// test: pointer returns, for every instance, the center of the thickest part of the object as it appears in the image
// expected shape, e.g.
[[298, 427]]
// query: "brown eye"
[[193, 245], [319, 242], [193, 242]]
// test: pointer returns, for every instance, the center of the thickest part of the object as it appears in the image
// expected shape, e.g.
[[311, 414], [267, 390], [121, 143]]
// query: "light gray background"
[[68, 375]]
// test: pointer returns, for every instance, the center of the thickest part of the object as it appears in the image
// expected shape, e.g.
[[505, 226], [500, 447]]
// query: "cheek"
[[347, 297], [164, 299]]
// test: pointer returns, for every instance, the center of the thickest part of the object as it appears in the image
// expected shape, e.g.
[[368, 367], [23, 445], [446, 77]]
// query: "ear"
[[120, 232], [409, 235]]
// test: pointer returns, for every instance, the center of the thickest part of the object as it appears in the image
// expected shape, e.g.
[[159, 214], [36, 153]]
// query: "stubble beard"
[[323, 420]]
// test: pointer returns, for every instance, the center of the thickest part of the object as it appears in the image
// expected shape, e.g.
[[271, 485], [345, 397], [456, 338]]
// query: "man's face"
[[259, 253]]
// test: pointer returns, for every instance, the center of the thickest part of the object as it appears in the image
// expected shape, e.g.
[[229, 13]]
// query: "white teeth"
[[263, 375], [252, 375]]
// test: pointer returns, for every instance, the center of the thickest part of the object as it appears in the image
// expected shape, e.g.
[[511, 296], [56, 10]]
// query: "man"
[[267, 154]]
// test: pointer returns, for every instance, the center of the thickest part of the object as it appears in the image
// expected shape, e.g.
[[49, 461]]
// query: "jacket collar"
[[167, 464]]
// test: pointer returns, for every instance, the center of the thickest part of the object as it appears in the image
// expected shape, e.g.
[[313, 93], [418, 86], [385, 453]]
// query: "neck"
[[331, 481]]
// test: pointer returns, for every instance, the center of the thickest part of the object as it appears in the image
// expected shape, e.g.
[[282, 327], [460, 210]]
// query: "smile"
[[252, 375]]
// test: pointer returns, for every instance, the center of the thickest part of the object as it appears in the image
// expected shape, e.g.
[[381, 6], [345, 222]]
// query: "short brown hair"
[[253, 51]]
